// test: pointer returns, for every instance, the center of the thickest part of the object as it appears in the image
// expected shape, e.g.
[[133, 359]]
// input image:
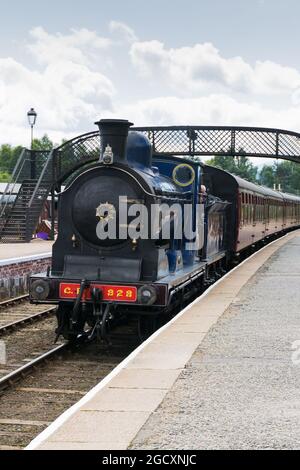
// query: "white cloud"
[[63, 90], [201, 68], [79, 46], [123, 30], [70, 87], [215, 109], [62, 85]]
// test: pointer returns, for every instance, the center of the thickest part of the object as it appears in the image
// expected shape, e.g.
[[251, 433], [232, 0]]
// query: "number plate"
[[109, 293]]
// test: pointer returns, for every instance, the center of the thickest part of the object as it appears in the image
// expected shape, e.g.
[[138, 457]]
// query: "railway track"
[[12, 377], [14, 300], [16, 312], [24, 340], [45, 379]]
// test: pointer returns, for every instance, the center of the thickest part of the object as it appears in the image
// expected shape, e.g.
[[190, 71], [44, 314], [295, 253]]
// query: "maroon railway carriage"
[[256, 212]]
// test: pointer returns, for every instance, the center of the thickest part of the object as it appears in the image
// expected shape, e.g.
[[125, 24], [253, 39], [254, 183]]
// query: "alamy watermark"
[[158, 221]]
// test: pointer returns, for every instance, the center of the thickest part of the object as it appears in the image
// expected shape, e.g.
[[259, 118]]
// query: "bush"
[[5, 177]]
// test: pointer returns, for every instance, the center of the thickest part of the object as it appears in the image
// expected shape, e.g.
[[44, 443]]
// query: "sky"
[[164, 62]]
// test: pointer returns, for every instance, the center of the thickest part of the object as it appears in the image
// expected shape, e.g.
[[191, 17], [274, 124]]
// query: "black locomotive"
[[140, 234]]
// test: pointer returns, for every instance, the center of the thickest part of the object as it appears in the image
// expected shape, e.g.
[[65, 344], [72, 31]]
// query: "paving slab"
[[84, 446], [121, 399], [19, 250], [101, 427], [145, 379]]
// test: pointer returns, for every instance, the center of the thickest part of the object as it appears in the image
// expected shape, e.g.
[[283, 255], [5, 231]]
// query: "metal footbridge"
[[39, 174]]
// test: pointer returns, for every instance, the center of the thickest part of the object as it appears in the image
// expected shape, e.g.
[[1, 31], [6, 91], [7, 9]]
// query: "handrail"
[[13, 174], [8, 191], [36, 169], [45, 168]]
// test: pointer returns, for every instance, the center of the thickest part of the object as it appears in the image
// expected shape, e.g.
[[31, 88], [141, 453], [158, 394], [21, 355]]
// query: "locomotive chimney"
[[113, 139]]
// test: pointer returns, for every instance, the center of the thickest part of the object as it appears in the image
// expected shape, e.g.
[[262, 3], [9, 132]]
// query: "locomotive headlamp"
[[108, 156], [106, 212], [39, 290], [147, 295]]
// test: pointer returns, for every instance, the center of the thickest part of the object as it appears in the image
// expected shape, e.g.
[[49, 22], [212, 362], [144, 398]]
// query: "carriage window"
[[250, 209], [242, 208]]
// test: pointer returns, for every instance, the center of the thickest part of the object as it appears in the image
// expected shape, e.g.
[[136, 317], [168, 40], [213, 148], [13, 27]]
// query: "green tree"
[[239, 166], [245, 169], [285, 175], [222, 161], [8, 157], [42, 144], [5, 157], [267, 176], [4, 177]]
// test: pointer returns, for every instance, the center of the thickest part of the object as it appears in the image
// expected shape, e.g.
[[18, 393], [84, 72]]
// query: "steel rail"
[[10, 379], [23, 321], [14, 300]]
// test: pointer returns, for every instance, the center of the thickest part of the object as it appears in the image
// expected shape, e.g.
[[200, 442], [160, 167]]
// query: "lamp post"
[[31, 115]]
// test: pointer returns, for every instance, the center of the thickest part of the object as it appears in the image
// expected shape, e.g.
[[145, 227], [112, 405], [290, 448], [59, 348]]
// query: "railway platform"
[[10, 252], [224, 373], [18, 261]]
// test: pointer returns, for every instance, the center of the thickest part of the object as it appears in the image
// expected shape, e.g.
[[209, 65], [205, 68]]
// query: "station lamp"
[[31, 115]]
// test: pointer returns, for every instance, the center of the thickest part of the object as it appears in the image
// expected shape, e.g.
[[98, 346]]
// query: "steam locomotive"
[[140, 234]]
